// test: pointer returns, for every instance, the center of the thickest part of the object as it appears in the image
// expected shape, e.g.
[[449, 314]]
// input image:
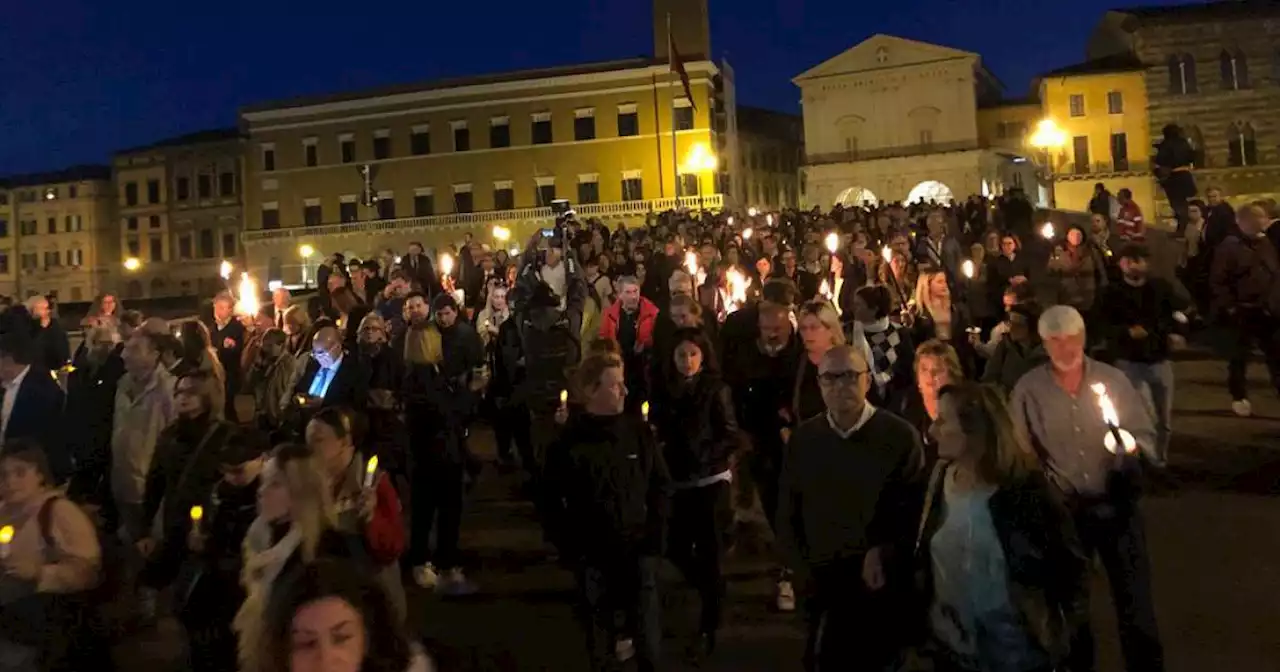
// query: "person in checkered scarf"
[[889, 344]]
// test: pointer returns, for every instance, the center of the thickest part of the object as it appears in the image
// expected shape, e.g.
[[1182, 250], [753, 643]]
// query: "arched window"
[[1242, 147], [930, 191], [854, 197], [1235, 70], [1182, 74]]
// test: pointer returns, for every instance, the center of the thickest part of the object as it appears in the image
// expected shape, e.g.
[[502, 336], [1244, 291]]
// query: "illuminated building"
[[179, 211], [57, 236], [464, 155]]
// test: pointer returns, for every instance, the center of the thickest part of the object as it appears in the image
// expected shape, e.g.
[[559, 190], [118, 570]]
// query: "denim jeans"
[[1155, 383], [629, 586]]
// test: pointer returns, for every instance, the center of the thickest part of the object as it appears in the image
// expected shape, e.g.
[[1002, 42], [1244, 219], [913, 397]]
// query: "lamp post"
[[1048, 138], [700, 160], [305, 251]]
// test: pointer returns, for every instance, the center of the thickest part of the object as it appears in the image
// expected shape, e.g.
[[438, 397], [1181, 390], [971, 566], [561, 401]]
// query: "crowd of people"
[[907, 396]]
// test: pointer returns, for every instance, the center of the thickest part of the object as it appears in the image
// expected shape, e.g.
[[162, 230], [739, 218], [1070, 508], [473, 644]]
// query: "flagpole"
[[675, 152], [657, 136]]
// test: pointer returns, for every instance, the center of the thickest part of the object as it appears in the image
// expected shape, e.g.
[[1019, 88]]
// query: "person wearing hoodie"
[[697, 429], [606, 503]]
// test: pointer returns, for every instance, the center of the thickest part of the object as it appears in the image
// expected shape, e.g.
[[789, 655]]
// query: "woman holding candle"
[[51, 558], [364, 504], [1002, 575]]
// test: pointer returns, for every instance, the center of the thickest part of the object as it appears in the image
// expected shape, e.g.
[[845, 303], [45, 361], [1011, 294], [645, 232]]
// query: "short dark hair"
[[415, 294], [877, 299], [17, 344], [781, 291], [29, 451]]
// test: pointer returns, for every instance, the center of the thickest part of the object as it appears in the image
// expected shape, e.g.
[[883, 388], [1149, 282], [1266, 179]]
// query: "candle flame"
[[564, 396], [248, 303], [1047, 230], [825, 289], [1108, 409], [730, 220], [6, 534], [833, 242], [967, 268], [887, 254], [691, 263], [372, 465], [768, 219], [197, 512], [446, 264], [746, 233]]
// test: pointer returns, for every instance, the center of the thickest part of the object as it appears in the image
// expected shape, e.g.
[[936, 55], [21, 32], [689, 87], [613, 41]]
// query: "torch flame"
[[224, 269], [564, 396], [248, 303], [691, 262], [730, 220], [738, 284], [825, 289], [967, 268], [768, 219], [833, 242], [887, 254], [1108, 409], [446, 264]]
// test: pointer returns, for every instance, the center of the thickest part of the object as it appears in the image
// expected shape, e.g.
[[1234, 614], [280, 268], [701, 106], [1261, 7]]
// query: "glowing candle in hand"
[[1047, 230], [644, 411], [564, 397], [6, 536], [197, 514], [746, 233], [967, 268], [833, 242], [370, 470]]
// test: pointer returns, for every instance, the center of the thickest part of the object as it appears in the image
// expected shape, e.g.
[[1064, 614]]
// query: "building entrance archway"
[[853, 197], [930, 191]]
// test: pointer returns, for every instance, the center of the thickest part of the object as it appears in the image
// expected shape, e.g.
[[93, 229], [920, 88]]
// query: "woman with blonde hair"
[[1002, 574], [939, 315], [296, 525]]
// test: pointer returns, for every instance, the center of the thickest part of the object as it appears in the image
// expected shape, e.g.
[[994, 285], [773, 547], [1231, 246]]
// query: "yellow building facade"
[[180, 213], [463, 156], [58, 239], [1101, 108]]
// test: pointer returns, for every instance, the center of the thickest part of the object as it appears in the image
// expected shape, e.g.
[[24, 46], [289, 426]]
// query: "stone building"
[[1213, 69], [770, 149]]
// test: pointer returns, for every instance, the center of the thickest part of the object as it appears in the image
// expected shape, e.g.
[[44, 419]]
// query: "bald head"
[[842, 358], [327, 339]]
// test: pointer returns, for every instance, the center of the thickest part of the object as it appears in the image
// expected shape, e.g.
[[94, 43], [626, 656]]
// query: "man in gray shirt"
[[1059, 406]]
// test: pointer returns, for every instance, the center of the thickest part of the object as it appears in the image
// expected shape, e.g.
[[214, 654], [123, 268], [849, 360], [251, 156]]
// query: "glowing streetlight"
[[698, 162], [132, 264], [1048, 135], [501, 234], [306, 251]]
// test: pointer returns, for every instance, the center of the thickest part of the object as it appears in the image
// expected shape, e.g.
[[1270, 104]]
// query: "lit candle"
[[691, 264], [746, 233], [1115, 437], [197, 514], [967, 268], [768, 219], [6, 537], [644, 411], [833, 242], [446, 267], [564, 397], [370, 470], [1047, 230], [730, 220]]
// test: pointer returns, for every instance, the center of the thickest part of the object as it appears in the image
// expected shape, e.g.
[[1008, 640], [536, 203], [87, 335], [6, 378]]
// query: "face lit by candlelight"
[[1066, 351], [222, 309]]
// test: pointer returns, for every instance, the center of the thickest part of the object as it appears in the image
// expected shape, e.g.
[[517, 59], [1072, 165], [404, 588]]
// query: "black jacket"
[[696, 425], [349, 387], [52, 349], [762, 386], [215, 594], [180, 477], [1150, 306], [606, 489], [89, 417], [1047, 568], [37, 415], [229, 343]]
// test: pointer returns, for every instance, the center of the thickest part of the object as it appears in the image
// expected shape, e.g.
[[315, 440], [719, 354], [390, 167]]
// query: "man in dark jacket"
[[606, 503], [849, 502], [1245, 281], [227, 335], [88, 416], [1173, 163]]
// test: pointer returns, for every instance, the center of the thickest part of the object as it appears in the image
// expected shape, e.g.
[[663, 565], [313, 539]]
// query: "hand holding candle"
[[197, 515], [746, 233], [644, 411], [967, 268], [1047, 231], [370, 471], [6, 538]]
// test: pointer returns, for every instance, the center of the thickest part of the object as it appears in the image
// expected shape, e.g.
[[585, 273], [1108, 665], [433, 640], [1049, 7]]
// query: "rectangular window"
[[226, 184], [268, 158], [312, 215], [632, 189], [52, 225], [270, 218], [75, 257], [504, 198], [1076, 103], [347, 212], [461, 139], [347, 148], [386, 208], [1115, 102], [157, 248], [311, 152], [31, 260], [206, 244], [153, 191], [683, 118], [381, 147], [1080, 152], [584, 125], [420, 141], [424, 205], [183, 188], [154, 221], [688, 185], [204, 186], [462, 202], [628, 121], [499, 132], [66, 224], [4, 263], [541, 130], [4, 228], [131, 193], [229, 244], [1120, 151], [72, 191], [184, 246], [588, 192], [28, 227], [131, 224], [51, 260], [545, 194]]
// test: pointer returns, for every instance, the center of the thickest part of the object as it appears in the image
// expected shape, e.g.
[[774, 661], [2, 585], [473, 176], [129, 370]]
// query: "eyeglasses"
[[833, 378]]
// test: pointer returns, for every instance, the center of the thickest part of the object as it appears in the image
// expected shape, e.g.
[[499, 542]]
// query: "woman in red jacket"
[[630, 321], [364, 503]]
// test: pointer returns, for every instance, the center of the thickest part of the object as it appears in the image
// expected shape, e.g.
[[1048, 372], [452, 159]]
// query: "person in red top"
[[630, 322], [1129, 223]]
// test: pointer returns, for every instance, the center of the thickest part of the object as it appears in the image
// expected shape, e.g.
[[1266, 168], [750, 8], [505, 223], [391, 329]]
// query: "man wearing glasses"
[[849, 498]]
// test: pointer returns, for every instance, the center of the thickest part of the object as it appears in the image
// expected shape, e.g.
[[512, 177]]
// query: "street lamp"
[[501, 234], [699, 161], [1048, 137], [305, 251], [132, 264]]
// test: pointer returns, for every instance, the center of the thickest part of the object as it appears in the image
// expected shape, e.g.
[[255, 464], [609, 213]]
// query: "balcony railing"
[[469, 219], [1102, 168], [893, 152]]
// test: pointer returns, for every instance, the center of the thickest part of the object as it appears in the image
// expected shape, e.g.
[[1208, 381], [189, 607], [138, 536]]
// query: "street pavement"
[[1211, 524]]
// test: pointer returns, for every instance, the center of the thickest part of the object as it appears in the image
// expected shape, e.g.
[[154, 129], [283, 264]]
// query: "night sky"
[[81, 78]]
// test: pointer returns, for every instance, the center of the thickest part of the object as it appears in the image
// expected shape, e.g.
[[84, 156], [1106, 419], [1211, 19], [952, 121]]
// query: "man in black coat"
[[32, 401], [332, 377], [227, 336]]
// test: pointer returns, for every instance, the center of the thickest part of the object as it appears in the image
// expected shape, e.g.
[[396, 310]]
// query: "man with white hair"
[[1060, 406]]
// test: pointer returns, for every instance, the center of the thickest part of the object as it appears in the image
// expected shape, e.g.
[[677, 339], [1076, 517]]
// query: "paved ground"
[[1212, 537]]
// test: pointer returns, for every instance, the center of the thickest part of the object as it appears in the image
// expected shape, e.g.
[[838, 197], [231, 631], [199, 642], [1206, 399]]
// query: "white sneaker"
[[425, 576], [786, 597], [1242, 408], [455, 583]]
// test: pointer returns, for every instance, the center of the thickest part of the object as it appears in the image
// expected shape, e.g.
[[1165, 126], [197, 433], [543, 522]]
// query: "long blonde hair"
[[827, 315], [310, 495], [924, 296], [1006, 454]]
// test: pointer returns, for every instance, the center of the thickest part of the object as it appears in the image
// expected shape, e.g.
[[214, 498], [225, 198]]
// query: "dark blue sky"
[[80, 78]]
